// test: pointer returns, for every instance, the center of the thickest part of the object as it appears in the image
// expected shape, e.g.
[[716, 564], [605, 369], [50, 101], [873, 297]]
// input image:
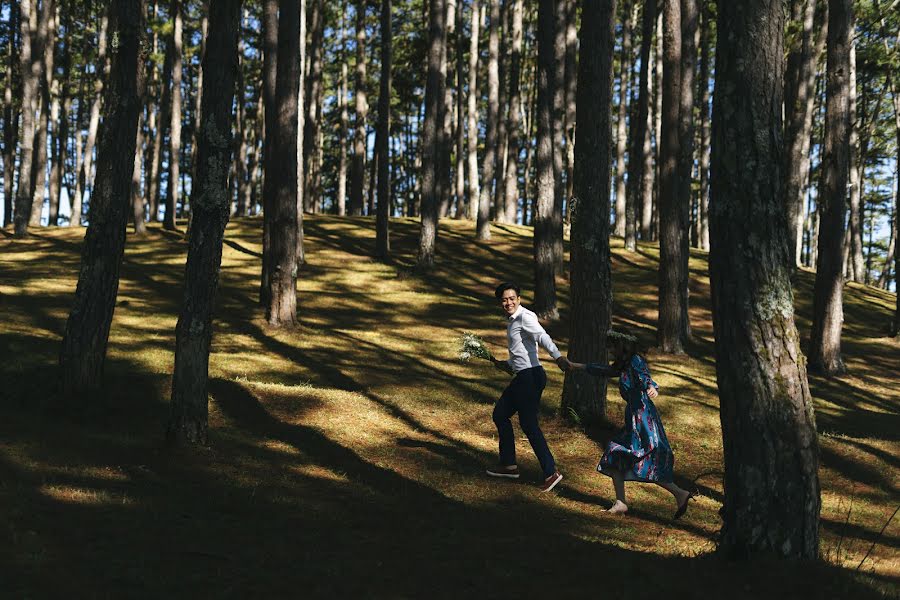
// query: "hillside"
[[347, 457]]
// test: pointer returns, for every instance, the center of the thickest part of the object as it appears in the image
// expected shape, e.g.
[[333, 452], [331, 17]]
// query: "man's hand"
[[563, 363], [502, 365]]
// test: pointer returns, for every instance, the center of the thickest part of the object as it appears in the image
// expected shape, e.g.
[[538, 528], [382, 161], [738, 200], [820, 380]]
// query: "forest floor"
[[346, 458]]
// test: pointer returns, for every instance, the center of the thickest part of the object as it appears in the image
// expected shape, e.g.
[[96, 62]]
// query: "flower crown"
[[612, 334]]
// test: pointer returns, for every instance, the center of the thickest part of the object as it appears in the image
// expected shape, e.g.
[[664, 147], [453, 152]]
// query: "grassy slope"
[[347, 456]]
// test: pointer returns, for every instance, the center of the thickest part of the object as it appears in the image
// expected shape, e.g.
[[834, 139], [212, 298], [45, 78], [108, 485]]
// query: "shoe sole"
[[506, 475], [552, 485]]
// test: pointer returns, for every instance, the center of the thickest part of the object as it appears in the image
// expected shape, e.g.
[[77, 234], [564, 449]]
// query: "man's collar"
[[516, 314]]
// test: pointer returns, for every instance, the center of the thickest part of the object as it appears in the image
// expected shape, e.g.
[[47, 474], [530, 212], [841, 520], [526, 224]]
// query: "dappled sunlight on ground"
[[348, 454]]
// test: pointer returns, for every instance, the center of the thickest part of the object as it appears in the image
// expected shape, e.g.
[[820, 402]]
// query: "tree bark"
[[589, 319], [511, 177], [358, 160], [86, 335], [460, 162], [281, 173], [472, 118], [621, 130], [313, 110], [210, 208], [672, 329], [10, 116], [853, 267], [704, 124], [269, 80], [544, 223], [345, 120], [483, 231], [640, 136], [137, 198], [172, 191], [203, 6], [828, 313], [44, 43], [155, 114], [799, 85], [30, 73], [768, 428], [559, 134], [432, 180], [383, 138], [571, 62], [60, 119]]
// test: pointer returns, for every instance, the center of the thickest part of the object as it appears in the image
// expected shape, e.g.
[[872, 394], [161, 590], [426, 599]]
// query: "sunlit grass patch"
[[360, 440]]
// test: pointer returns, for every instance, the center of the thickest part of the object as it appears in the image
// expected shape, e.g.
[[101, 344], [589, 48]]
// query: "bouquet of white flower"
[[473, 346]]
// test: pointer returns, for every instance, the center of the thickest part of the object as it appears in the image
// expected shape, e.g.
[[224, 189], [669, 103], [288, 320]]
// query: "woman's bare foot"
[[618, 508]]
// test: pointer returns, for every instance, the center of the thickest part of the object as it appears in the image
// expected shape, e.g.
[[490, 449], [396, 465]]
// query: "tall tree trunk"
[[895, 96], [198, 93], [10, 116], [853, 268], [511, 177], [432, 179], [242, 127], [705, 14], [154, 104], [64, 102], [625, 59], [44, 49], [544, 224], [85, 174], [559, 134], [281, 173], [571, 62], [460, 166], [86, 335], [30, 73], [358, 160], [672, 332], [269, 80], [828, 313], [472, 118], [768, 428], [383, 138], [172, 191], [652, 206], [210, 208], [313, 84], [299, 177], [137, 198], [590, 285], [640, 165], [447, 125], [345, 121], [483, 231], [689, 29], [56, 122], [799, 85]]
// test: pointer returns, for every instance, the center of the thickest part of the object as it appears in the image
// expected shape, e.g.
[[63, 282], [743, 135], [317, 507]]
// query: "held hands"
[[652, 393], [564, 365]]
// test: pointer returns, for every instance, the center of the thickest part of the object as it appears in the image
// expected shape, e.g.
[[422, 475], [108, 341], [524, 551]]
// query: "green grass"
[[346, 457]]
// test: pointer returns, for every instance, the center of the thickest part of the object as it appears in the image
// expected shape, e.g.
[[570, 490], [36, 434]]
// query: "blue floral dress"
[[640, 450]]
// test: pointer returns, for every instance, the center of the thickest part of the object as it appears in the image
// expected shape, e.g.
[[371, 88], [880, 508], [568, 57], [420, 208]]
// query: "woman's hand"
[[652, 393]]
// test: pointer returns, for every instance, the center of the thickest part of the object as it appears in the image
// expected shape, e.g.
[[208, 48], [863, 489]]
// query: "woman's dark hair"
[[507, 285], [629, 345]]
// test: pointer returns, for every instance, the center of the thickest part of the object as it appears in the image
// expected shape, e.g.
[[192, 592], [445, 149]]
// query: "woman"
[[640, 452]]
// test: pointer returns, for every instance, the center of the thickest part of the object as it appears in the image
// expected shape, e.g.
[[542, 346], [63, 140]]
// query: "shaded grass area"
[[346, 457]]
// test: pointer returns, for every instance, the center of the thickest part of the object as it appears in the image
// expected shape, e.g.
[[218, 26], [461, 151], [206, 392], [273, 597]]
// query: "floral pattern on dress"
[[640, 450]]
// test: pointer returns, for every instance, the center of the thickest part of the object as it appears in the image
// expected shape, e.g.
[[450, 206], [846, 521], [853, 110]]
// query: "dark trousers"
[[523, 396]]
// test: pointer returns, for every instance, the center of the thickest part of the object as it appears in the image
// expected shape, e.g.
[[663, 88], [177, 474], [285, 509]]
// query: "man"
[[523, 394]]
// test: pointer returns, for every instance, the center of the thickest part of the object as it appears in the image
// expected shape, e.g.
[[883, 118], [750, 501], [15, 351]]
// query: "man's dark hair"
[[507, 285]]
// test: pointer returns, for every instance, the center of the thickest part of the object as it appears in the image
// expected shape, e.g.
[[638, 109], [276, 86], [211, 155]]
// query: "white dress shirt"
[[523, 335]]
